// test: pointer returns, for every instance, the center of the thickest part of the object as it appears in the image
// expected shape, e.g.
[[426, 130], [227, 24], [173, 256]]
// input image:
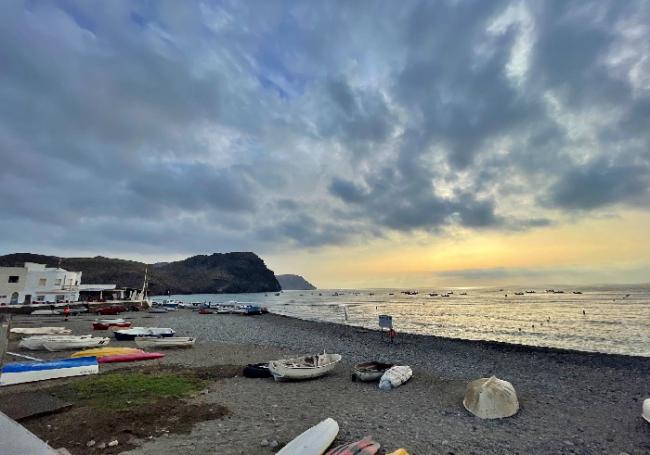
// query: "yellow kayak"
[[399, 452], [103, 352]]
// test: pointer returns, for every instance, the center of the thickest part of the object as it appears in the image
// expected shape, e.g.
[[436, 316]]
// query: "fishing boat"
[[36, 342], [304, 367], [106, 324], [131, 334], [370, 371], [167, 342], [313, 441], [18, 373], [132, 357], [40, 330], [105, 351], [63, 344]]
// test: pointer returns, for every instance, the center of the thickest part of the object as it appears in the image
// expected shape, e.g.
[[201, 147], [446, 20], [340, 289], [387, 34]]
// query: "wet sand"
[[571, 402]]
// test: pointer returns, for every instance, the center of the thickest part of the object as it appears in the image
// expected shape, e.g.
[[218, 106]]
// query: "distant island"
[[203, 274], [294, 282]]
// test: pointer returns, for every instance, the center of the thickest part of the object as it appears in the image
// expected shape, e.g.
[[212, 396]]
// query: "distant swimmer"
[[533, 326], [549, 319], [506, 296], [584, 313], [520, 329]]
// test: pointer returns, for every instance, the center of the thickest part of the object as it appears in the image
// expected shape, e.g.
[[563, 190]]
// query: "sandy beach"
[[571, 402]]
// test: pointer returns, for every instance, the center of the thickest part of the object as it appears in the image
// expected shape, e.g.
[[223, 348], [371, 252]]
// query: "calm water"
[[616, 319]]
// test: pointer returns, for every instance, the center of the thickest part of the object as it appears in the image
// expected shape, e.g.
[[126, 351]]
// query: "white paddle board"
[[314, 441]]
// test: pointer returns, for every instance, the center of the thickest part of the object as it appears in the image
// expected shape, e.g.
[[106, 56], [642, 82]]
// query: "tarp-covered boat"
[[304, 367], [395, 377], [18, 373], [131, 334], [166, 342]]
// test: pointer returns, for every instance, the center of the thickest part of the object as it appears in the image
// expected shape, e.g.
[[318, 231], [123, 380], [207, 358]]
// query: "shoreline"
[[571, 402], [504, 345]]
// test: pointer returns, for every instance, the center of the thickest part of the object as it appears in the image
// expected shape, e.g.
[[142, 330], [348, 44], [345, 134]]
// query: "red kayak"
[[366, 446], [136, 356], [102, 326]]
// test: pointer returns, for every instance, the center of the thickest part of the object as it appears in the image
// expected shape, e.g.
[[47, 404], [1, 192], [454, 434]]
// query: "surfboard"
[[366, 446], [314, 441]]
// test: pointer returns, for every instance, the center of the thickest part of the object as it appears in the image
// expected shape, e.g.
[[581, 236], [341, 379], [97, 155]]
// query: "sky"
[[360, 144]]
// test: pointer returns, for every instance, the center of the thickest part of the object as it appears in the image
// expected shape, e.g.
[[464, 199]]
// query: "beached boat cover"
[[20, 372]]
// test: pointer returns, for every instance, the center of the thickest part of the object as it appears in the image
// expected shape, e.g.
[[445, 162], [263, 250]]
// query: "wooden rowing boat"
[[304, 367]]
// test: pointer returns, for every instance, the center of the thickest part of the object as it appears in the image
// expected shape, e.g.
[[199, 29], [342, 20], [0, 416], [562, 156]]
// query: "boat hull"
[[135, 357], [281, 369], [60, 345], [103, 352], [369, 371], [131, 334], [314, 441], [19, 373], [167, 342]]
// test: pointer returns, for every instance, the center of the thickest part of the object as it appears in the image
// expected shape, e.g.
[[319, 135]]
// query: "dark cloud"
[[221, 126]]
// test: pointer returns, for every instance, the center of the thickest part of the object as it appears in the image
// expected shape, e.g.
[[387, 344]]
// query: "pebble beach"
[[571, 402]]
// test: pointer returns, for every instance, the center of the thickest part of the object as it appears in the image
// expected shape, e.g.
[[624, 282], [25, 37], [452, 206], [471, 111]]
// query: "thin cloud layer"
[[187, 127]]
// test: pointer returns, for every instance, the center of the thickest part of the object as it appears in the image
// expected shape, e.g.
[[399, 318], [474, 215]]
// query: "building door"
[[14, 298], [28, 299]]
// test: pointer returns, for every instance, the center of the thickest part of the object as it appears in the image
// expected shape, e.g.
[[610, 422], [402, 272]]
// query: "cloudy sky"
[[358, 143]]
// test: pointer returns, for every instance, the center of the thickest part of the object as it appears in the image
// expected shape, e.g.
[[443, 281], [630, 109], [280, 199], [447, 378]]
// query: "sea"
[[608, 319]]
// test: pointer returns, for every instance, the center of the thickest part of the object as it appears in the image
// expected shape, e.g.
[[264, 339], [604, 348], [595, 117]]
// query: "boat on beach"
[[304, 367], [131, 357], [167, 342], [106, 324], [18, 373], [395, 377], [40, 330], [37, 342], [370, 371], [105, 351], [81, 343], [131, 334]]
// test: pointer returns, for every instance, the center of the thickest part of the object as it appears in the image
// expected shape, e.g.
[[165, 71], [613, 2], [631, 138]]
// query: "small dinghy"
[[366, 446], [131, 334], [305, 367], [395, 377], [314, 441], [370, 371], [132, 357], [81, 343], [18, 373], [103, 352], [167, 342], [40, 331], [36, 342], [106, 324]]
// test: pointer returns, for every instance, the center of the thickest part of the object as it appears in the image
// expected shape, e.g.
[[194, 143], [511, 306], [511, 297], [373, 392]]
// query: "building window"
[[57, 282], [60, 298], [40, 298], [13, 278], [42, 281]]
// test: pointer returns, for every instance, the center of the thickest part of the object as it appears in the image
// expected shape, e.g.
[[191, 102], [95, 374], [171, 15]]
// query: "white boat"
[[36, 342], [18, 373], [314, 441], [395, 377], [45, 313], [62, 345], [166, 342], [304, 367], [131, 334], [111, 321], [40, 330]]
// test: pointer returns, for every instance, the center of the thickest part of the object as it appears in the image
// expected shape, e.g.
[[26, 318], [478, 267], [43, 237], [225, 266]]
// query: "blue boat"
[[21, 372]]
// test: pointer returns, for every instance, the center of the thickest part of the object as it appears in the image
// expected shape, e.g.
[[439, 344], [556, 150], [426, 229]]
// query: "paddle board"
[[314, 441]]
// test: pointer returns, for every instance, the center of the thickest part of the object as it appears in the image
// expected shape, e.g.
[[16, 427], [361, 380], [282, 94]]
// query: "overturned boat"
[[304, 367], [166, 342], [40, 330], [18, 373], [105, 351], [37, 342], [131, 334], [370, 371], [81, 343]]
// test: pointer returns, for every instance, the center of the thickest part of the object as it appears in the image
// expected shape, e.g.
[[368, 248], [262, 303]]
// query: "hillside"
[[294, 282], [215, 273]]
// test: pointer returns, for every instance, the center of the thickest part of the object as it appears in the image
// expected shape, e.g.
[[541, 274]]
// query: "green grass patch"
[[122, 390]]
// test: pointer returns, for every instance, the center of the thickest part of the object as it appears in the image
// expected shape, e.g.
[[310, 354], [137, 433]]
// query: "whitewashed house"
[[36, 283]]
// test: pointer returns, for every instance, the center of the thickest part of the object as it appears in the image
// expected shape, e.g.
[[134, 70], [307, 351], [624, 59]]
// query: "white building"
[[36, 283]]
